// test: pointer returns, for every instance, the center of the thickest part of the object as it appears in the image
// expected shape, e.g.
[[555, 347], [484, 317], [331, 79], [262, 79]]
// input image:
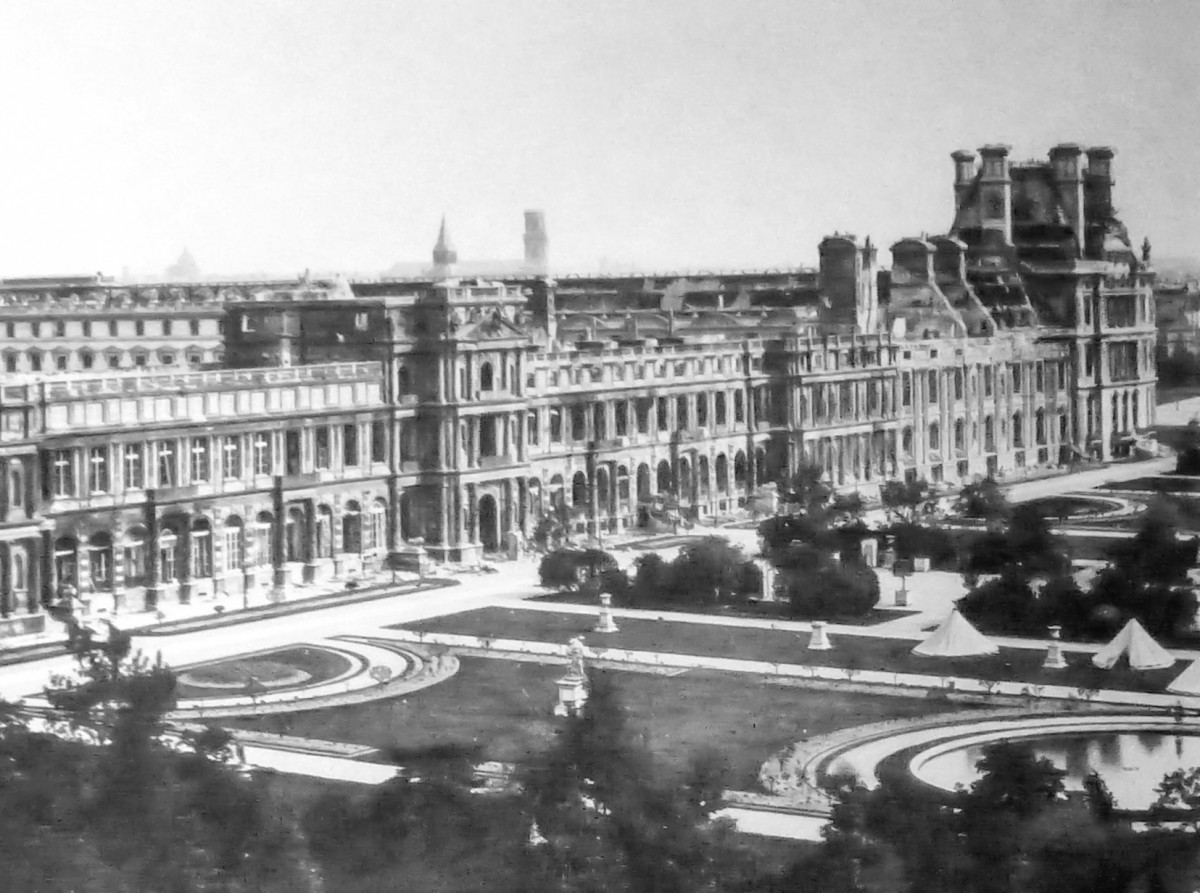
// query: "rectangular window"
[[194, 326], [1039, 383], [556, 425], [664, 414], [906, 385], [201, 541], [292, 453], [35, 329], [621, 415], [739, 406], [350, 445], [87, 328], [167, 469], [166, 326], [234, 558], [262, 453], [379, 442], [987, 381], [98, 469], [933, 387], [35, 361], [231, 457], [1016, 379], [63, 473], [10, 329], [533, 431], [114, 361], [60, 328], [201, 462], [112, 328], [321, 453], [139, 328], [134, 466]]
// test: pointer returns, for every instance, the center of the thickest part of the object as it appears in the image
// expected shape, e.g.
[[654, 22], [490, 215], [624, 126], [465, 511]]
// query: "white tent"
[[1187, 682], [1135, 643], [956, 638]]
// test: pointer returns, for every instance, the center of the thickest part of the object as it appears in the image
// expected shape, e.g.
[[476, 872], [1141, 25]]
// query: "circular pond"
[[1131, 764]]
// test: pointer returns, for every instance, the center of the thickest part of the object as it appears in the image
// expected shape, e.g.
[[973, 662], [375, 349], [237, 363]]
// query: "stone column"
[[593, 496], [279, 544], [7, 595], [184, 550], [150, 519]]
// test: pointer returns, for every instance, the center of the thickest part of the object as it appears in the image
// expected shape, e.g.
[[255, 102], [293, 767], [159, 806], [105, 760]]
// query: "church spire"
[[444, 255]]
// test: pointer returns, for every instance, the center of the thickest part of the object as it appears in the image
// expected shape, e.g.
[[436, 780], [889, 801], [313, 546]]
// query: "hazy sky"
[[279, 135]]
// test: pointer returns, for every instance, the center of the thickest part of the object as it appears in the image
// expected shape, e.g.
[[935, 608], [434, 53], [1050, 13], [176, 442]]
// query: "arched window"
[[352, 528], [722, 470], [579, 489], [487, 378], [599, 421], [100, 560], [702, 410], [664, 477], [295, 534], [134, 546], [1039, 426], [201, 548], [264, 540], [323, 530], [720, 410], [234, 550], [376, 533], [168, 546], [682, 421]]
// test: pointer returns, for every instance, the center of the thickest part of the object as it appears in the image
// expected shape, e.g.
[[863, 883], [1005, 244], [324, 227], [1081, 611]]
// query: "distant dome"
[[185, 269]]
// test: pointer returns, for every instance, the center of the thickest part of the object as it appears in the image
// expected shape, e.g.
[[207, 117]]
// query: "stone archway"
[[489, 523]]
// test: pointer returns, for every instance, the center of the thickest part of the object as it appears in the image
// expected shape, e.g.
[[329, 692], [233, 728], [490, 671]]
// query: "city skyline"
[[676, 136]]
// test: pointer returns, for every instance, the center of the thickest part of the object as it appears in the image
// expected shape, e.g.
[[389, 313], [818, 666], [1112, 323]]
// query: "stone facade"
[[349, 418]]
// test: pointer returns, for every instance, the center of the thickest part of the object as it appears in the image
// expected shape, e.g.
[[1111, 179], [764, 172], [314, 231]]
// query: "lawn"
[[502, 710], [234, 673], [784, 646]]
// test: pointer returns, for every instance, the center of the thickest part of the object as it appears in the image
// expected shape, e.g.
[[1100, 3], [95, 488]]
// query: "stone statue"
[[1146, 250], [575, 653]]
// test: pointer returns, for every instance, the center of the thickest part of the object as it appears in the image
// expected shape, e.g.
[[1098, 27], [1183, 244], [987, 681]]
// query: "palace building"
[[324, 424]]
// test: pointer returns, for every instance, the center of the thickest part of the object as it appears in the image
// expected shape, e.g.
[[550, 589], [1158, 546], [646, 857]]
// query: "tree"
[[984, 500], [710, 569], [610, 821], [907, 502], [572, 569], [131, 809], [806, 490], [829, 590]]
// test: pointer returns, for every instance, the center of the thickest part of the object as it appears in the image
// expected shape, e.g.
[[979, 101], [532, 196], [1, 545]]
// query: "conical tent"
[[956, 638], [1187, 682], [1138, 646]]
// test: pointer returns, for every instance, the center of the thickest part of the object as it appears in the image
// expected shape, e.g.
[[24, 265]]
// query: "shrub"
[[570, 568], [1005, 605], [711, 567], [833, 590], [651, 580], [917, 541]]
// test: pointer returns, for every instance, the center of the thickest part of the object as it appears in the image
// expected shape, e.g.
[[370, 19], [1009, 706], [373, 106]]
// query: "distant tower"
[[848, 283], [537, 243], [1097, 199], [444, 255], [1068, 178], [995, 187], [964, 176]]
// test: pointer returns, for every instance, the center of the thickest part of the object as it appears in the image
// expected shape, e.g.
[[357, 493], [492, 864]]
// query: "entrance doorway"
[[489, 526]]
